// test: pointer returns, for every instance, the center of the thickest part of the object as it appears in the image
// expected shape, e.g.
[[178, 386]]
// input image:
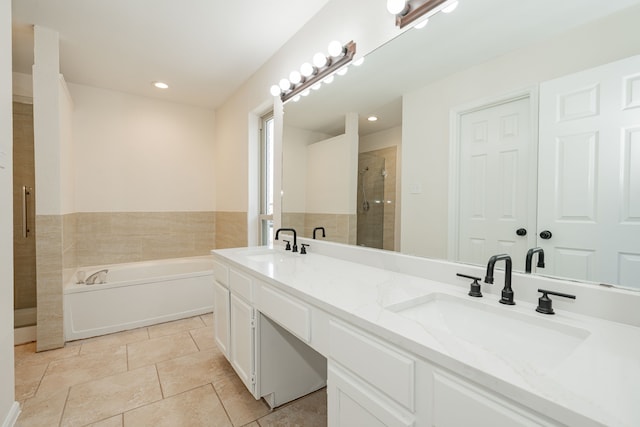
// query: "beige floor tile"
[[28, 379], [43, 412], [64, 373], [203, 337], [109, 422], [175, 327], [191, 371], [308, 411], [252, 424], [98, 344], [26, 354], [207, 319], [97, 400], [241, 406], [160, 349], [198, 407]]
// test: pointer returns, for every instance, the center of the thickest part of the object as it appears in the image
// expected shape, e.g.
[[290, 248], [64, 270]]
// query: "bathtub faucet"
[[91, 280]]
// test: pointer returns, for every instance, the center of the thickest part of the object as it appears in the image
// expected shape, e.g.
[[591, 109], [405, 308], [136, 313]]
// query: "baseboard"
[[24, 335], [12, 416]]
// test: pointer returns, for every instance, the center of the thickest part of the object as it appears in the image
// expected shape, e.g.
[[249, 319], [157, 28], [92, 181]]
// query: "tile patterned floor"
[[170, 374]]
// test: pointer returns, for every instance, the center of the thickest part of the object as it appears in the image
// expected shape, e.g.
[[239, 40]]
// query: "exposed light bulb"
[[307, 69], [306, 92], [421, 24], [342, 71], [358, 62], [285, 84], [328, 79], [161, 85], [316, 86], [450, 7], [296, 98], [295, 77], [335, 49], [275, 90], [396, 6], [319, 60]]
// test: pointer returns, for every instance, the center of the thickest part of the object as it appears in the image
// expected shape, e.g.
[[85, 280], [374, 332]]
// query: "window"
[[266, 179]]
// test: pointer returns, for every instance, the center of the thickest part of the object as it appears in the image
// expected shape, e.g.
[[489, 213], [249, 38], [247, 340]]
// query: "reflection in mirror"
[[449, 99]]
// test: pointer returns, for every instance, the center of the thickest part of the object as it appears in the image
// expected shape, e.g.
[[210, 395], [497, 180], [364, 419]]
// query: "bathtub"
[[137, 294]]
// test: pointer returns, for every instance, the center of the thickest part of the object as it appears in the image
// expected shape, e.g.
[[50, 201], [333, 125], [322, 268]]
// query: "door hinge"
[[253, 379]]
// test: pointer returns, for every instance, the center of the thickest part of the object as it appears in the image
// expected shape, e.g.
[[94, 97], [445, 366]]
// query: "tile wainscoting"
[[340, 228], [65, 242]]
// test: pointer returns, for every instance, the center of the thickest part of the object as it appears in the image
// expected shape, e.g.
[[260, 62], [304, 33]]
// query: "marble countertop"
[[594, 381]]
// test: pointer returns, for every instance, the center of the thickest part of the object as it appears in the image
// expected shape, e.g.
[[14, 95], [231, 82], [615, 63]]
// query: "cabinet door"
[[352, 403], [243, 341], [459, 403], [221, 313]]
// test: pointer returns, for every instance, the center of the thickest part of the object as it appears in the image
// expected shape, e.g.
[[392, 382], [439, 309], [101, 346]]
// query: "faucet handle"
[[303, 249], [545, 303], [288, 247], [475, 286]]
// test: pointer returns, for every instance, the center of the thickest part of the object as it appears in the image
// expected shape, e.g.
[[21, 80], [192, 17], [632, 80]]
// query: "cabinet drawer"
[[387, 369], [287, 311], [241, 284], [221, 273]]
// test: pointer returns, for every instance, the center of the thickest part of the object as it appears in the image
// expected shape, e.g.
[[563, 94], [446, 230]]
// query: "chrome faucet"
[[316, 229], [530, 254], [507, 292], [295, 238], [91, 280]]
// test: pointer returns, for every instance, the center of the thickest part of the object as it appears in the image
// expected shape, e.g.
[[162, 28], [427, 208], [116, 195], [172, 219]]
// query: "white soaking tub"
[[137, 294]]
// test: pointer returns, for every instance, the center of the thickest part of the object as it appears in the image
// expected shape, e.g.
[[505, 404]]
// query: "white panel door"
[[221, 313], [494, 168], [589, 174]]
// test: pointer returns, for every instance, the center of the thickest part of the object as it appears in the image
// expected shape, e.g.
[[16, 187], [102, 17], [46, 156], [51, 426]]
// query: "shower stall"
[[376, 198], [24, 241]]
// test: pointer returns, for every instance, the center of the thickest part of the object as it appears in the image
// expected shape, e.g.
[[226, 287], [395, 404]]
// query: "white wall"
[[23, 86], [137, 154], [425, 148], [8, 406], [46, 122], [385, 138], [294, 177], [67, 156]]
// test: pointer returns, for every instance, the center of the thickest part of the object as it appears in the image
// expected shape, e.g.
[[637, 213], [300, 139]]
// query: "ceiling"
[[204, 49]]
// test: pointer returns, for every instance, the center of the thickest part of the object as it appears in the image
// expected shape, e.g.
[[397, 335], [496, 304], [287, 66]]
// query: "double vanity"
[[398, 341]]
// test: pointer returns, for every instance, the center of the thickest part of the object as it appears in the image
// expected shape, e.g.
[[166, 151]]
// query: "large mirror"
[[503, 126]]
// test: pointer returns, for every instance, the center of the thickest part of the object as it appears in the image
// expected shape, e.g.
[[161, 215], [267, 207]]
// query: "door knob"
[[521, 231], [546, 234]]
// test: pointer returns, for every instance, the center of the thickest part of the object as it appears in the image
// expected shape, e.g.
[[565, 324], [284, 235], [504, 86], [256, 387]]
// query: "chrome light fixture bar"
[[415, 11], [312, 76]]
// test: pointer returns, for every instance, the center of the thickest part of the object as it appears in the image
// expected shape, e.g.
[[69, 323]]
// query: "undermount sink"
[[513, 337], [266, 255]]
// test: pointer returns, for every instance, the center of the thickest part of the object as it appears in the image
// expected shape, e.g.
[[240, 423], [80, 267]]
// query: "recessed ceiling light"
[[372, 118], [161, 85]]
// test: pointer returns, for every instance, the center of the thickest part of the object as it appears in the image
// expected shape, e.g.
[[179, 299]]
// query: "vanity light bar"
[[416, 10], [321, 70]]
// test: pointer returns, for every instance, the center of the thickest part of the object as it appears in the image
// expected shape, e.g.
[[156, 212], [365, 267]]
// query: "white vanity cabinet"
[[459, 402], [370, 383], [271, 361]]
